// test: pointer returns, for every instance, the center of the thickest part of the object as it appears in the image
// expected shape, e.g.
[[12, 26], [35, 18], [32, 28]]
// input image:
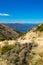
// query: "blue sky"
[[22, 11]]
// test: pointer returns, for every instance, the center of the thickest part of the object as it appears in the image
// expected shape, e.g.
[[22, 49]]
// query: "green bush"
[[2, 39], [40, 28], [6, 48]]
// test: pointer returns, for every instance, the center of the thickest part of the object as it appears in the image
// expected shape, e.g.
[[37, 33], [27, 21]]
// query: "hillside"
[[40, 27], [7, 33], [27, 50], [33, 34]]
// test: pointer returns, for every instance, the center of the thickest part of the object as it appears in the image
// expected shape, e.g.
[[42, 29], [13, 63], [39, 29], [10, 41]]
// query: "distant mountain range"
[[21, 27]]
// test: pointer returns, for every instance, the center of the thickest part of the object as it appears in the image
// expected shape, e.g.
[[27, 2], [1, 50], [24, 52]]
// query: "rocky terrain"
[[7, 33]]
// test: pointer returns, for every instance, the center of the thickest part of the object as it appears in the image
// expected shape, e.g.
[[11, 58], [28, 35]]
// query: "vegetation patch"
[[40, 27]]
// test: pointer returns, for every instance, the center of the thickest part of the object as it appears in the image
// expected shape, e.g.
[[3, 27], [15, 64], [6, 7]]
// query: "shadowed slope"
[[7, 32]]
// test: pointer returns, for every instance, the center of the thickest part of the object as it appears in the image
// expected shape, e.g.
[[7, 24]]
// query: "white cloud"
[[4, 14]]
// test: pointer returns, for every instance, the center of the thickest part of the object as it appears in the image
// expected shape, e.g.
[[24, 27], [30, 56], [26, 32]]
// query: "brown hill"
[[7, 33]]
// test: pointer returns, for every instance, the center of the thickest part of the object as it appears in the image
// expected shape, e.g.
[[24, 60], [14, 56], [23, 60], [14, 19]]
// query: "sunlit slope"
[[35, 34]]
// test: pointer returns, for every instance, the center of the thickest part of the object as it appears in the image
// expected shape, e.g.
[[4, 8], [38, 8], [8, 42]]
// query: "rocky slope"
[[7, 33]]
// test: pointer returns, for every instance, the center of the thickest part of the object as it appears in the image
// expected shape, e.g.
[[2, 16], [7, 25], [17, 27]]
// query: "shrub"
[[6, 48], [2, 39]]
